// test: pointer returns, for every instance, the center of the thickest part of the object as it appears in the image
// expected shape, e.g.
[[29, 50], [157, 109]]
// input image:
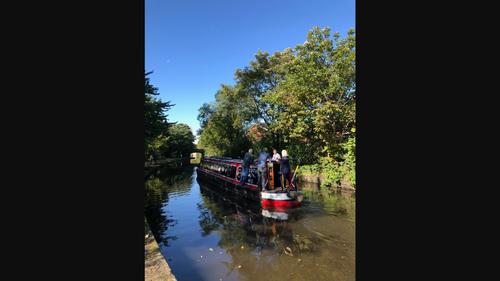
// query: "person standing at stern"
[[285, 170], [276, 156], [262, 168], [247, 160]]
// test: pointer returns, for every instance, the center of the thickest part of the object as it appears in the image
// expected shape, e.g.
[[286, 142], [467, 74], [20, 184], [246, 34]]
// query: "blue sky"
[[195, 46]]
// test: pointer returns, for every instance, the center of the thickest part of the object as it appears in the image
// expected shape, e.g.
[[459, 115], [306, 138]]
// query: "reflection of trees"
[[208, 221], [177, 180], [157, 189], [244, 229], [154, 199], [333, 201]]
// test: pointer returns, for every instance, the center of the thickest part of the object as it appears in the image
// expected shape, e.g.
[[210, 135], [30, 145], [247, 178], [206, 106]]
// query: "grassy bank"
[[329, 173]]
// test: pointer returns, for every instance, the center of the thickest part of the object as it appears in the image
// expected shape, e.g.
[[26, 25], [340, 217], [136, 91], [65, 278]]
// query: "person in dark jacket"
[[262, 168], [285, 169], [247, 160]]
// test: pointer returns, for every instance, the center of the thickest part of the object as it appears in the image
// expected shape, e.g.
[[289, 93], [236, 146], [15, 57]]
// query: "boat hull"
[[267, 198], [249, 192], [278, 203]]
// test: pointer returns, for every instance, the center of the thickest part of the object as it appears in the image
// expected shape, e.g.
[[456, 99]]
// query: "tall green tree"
[[254, 81], [304, 96], [180, 141], [223, 124], [204, 114], [155, 118], [318, 94], [257, 80]]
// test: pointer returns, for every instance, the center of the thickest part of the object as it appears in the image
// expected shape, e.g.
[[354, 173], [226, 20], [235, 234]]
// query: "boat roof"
[[224, 159]]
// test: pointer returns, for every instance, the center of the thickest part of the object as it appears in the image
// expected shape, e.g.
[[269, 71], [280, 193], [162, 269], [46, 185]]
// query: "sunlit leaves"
[[305, 95]]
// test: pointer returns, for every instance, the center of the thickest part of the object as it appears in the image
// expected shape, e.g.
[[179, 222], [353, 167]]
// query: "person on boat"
[[262, 168], [276, 156], [285, 170], [247, 160]]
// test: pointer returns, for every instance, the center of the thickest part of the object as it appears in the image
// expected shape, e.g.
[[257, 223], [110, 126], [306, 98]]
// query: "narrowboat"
[[225, 173]]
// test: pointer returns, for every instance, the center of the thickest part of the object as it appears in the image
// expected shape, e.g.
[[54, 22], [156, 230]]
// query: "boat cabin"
[[225, 173], [232, 168]]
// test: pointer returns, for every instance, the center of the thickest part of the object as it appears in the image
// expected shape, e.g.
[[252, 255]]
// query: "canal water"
[[206, 235]]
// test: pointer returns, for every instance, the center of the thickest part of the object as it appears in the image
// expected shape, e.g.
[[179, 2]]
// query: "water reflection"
[[263, 234], [240, 223], [338, 203], [161, 184], [221, 237]]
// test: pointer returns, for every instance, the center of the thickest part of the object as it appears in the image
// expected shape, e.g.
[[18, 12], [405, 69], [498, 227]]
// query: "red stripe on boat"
[[280, 203]]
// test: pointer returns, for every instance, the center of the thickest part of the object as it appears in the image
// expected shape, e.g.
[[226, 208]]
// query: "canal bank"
[[317, 179], [155, 266]]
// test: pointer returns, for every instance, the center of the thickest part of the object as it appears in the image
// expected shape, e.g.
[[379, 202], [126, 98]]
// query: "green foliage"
[[318, 93], [313, 169], [155, 117], [223, 124], [176, 142], [349, 164], [180, 141], [163, 139], [205, 112], [305, 96], [333, 172]]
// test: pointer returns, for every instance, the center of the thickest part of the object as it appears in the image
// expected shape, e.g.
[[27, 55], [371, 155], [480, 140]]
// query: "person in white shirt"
[[276, 156]]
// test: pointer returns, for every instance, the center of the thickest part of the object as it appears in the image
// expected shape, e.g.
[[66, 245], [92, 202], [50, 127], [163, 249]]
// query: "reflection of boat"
[[226, 199], [243, 206], [226, 173], [242, 223], [275, 214]]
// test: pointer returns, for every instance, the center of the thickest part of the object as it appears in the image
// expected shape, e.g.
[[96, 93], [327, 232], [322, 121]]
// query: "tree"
[[259, 79], [205, 112], [318, 94], [304, 96], [180, 141], [223, 124], [254, 81], [155, 117]]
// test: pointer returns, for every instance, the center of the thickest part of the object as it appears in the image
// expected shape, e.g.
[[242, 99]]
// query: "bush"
[[332, 172], [349, 164], [335, 171], [310, 169]]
